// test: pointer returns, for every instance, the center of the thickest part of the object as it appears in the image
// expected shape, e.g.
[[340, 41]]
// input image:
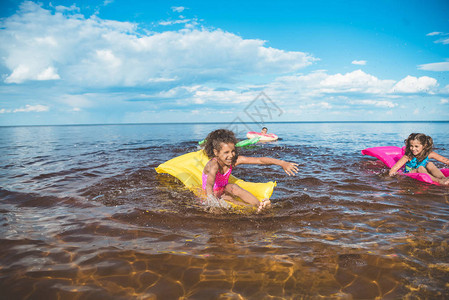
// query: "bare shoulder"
[[406, 158], [437, 156], [211, 166], [432, 154]]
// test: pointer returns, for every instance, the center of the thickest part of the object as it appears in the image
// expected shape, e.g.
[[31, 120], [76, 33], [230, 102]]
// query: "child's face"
[[264, 131], [226, 153], [416, 147]]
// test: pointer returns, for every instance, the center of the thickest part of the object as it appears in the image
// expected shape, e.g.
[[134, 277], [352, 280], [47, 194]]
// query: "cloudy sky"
[[117, 61]]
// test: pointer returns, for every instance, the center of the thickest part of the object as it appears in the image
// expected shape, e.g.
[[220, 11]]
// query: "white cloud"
[[178, 8], [316, 105], [359, 62], [316, 86], [434, 33], [199, 94], [356, 81], [378, 103], [352, 84], [19, 73], [438, 67], [347, 89], [445, 90], [443, 41], [318, 83], [22, 72], [167, 23], [208, 95], [107, 58], [73, 7], [48, 74], [161, 79], [38, 44], [76, 101], [194, 68], [27, 108], [412, 84], [32, 108]]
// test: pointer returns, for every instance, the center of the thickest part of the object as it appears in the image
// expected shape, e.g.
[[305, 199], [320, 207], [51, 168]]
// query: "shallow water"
[[83, 215]]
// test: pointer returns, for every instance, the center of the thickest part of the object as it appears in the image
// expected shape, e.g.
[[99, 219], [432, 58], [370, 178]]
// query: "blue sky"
[[115, 61]]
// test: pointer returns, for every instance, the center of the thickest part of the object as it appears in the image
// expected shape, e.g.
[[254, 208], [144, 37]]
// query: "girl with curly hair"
[[220, 148]]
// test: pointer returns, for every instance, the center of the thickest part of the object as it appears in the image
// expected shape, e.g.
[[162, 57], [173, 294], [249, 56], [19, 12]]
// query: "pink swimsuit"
[[221, 180]]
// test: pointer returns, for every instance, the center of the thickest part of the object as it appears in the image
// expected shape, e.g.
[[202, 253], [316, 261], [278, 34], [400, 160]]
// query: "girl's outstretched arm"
[[438, 157], [289, 167], [398, 165]]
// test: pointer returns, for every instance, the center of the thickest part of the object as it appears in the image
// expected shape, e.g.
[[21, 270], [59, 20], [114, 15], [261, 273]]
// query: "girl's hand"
[[290, 168], [211, 200], [394, 170], [214, 202]]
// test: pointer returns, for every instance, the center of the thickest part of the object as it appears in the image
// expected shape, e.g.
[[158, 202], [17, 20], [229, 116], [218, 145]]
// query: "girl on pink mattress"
[[418, 151]]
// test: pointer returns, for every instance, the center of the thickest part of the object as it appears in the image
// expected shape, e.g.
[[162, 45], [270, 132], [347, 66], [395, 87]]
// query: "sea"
[[84, 215]]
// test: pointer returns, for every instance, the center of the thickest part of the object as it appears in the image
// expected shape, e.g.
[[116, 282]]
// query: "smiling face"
[[226, 153], [416, 147]]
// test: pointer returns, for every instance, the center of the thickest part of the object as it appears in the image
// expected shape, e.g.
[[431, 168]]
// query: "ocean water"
[[84, 215]]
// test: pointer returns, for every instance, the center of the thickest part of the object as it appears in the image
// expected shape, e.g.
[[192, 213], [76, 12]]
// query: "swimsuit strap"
[[424, 161], [221, 180]]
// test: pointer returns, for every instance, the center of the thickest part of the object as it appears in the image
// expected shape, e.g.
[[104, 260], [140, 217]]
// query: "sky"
[[117, 61]]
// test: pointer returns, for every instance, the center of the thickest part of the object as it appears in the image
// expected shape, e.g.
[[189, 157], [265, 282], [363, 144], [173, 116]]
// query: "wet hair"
[[264, 128], [425, 140], [214, 140]]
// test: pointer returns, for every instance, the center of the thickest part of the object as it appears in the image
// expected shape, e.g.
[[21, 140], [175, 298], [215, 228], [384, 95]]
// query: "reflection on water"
[[85, 216]]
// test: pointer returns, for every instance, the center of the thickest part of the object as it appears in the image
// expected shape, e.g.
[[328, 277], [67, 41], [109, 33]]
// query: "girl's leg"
[[434, 171], [246, 196], [231, 199], [243, 194], [436, 174]]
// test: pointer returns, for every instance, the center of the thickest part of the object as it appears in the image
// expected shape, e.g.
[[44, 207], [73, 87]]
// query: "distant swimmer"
[[264, 136]]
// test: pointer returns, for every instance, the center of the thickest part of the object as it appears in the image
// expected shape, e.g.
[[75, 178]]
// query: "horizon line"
[[193, 123]]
